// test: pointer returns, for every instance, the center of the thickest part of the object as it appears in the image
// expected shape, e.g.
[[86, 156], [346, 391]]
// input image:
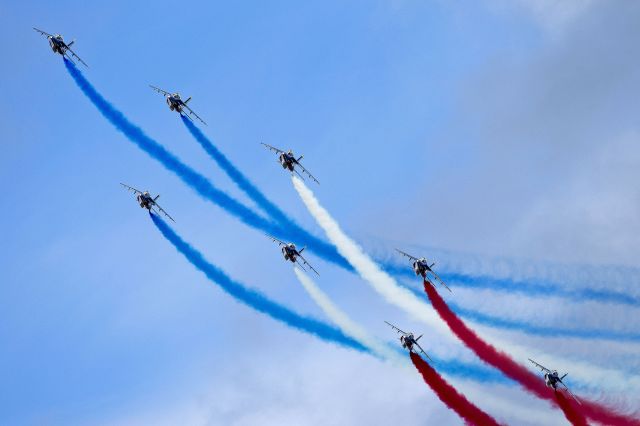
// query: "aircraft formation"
[[292, 164]]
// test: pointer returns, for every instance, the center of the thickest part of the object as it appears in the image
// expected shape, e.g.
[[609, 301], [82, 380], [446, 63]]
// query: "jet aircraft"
[[288, 161], [422, 267], [58, 45], [176, 103], [552, 379], [291, 253], [408, 340], [146, 201]]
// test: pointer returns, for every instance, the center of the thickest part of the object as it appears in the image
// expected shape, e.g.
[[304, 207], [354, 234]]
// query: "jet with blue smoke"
[[326, 332]]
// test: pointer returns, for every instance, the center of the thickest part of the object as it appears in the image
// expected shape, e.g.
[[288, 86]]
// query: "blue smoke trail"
[[538, 330], [206, 189], [236, 175], [261, 303], [526, 288]]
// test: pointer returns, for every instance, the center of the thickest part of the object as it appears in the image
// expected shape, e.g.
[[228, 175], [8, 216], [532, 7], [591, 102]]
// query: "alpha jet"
[[552, 379], [176, 103], [148, 202], [58, 45], [291, 253], [288, 161], [422, 267], [409, 341]]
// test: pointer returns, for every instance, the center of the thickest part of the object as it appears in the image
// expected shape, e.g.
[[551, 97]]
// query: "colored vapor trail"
[[450, 396], [341, 319], [381, 282], [234, 173], [570, 410], [515, 371]]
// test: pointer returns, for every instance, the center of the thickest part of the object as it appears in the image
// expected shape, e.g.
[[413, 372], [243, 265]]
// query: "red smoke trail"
[[570, 410], [450, 396], [515, 371]]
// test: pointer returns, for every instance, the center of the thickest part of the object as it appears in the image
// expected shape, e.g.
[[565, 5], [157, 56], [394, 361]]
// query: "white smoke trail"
[[393, 293], [343, 321]]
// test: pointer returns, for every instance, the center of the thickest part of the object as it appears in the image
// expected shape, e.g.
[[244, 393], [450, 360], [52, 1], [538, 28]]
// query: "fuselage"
[[289, 252], [421, 267], [175, 102], [57, 44], [287, 160], [552, 379], [407, 341], [145, 200]]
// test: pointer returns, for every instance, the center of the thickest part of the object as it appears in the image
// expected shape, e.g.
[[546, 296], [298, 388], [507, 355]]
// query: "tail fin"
[[432, 265], [565, 375], [187, 101], [71, 44], [419, 337], [302, 249], [157, 196], [300, 158]]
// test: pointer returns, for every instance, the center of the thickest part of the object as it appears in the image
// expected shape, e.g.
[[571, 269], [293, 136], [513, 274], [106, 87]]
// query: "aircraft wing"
[[440, 281], [540, 366], [307, 172], [159, 90], [192, 112], [130, 188], [161, 210], [306, 263], [407, 255], [76, 56], [44, 33], [422, 350], [396, 328], [275, 240], [570, 393], [272, 148]]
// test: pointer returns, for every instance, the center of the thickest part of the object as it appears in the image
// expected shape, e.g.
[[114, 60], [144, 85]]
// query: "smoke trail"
[[513, 370], [382, 282], [342, 320], [538, 330], [236, 175], [261, 303], [569, 410], [253, 298], [450, 396], [541, 290]]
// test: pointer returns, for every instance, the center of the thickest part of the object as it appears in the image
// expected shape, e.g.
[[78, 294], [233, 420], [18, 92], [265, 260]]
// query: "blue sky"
[[484, 130]]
